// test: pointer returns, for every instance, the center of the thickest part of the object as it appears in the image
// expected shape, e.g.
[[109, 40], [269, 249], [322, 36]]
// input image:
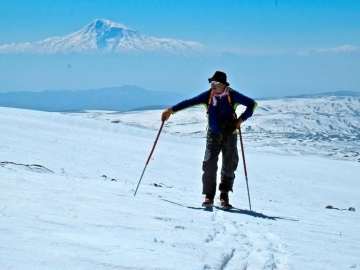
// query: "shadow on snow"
[[233, 210]]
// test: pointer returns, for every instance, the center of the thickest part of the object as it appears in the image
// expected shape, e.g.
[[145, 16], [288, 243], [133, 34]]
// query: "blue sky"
[[240, 26], [263, 29]]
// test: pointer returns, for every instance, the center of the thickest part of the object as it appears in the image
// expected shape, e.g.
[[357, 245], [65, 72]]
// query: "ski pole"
[[243, 156], [152, 150]]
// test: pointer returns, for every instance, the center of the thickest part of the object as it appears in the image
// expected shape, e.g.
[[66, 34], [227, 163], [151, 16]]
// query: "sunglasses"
[[214, 82]]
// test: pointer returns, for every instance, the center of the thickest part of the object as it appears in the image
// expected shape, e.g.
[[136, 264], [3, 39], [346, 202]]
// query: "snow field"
[[67, 213]]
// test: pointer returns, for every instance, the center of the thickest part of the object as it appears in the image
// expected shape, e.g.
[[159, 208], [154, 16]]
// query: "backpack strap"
[[229, 95], [230, 98], [210, 94]]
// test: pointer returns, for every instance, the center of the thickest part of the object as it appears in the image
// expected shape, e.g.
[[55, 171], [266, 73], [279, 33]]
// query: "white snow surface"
[[102, 36], [67, 197]]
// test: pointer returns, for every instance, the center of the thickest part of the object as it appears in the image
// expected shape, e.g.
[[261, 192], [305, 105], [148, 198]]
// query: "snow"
[[107, 24], [327, 125], [67, 198]]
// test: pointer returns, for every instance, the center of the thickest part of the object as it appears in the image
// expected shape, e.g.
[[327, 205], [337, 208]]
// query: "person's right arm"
[[198, 100]]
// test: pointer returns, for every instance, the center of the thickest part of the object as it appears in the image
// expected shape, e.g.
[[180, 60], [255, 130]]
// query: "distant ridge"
[[327, 94], [154, 107], [319, 95], [122, 98]]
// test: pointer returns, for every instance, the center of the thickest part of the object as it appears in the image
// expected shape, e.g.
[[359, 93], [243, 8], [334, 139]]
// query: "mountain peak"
[[102, 36], [103, 23]]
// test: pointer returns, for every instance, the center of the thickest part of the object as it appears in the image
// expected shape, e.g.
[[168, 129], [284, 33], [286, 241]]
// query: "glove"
[[166, 114], [239, 121]]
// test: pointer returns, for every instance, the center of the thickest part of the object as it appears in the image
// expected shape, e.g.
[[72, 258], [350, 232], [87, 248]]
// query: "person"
[[221, 102]]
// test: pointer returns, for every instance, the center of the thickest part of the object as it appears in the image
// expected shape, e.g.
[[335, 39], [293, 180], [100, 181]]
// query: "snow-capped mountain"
[[101, 36]]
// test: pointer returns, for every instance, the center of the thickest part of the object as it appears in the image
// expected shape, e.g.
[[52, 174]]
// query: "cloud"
[[339, 49], [283, 51]]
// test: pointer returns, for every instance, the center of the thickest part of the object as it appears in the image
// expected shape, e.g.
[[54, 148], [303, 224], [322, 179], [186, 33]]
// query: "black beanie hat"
[[219, 76]]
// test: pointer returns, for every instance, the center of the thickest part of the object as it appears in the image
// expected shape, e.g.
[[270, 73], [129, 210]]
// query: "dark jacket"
[[222, 109]]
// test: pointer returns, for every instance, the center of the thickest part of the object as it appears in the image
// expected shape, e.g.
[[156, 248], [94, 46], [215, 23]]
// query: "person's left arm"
[[249, 103]]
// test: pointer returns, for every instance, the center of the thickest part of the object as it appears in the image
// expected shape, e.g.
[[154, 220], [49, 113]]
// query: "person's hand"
[[239, 121], [166, 114]]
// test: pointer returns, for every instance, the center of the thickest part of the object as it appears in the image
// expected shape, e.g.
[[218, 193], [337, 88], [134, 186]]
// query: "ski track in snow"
[[78, 210]]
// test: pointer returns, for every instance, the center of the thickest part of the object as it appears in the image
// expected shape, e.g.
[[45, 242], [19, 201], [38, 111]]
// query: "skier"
[[221, 102]]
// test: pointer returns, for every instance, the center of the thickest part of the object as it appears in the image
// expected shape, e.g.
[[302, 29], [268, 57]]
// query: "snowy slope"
[[102, 36], [324, 125], [59, 208]]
